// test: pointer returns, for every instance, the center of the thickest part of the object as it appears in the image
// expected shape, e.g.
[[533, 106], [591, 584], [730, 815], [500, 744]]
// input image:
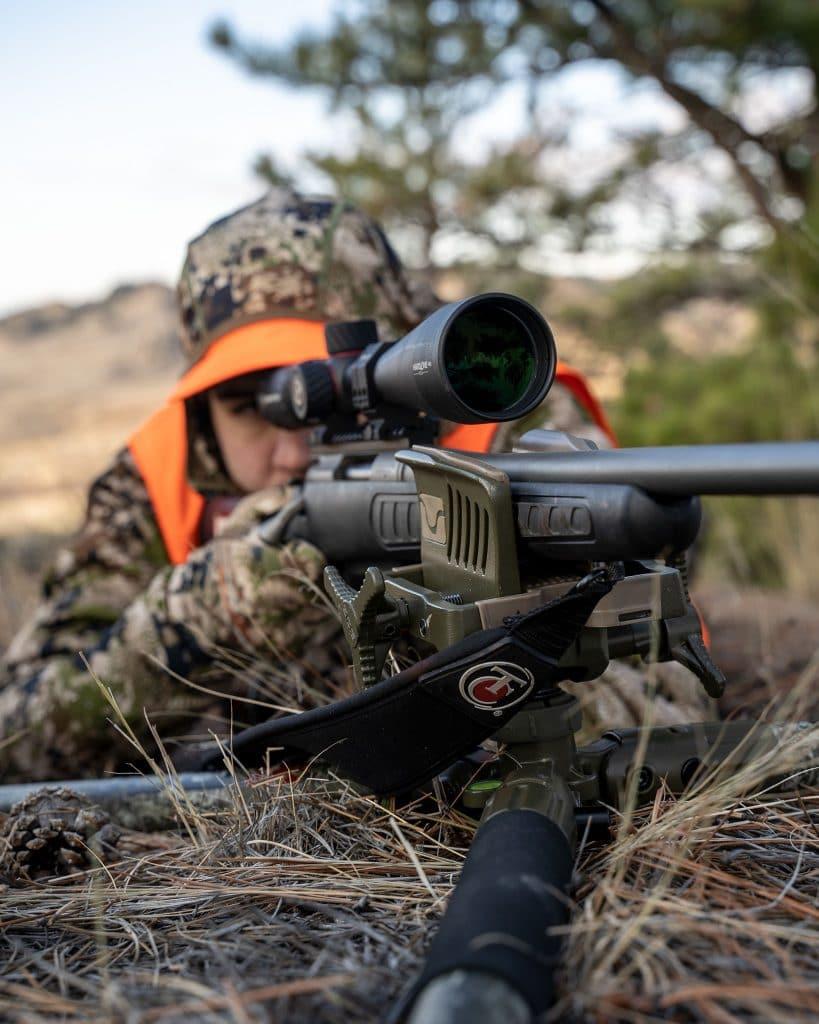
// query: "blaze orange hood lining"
[[160, 445]]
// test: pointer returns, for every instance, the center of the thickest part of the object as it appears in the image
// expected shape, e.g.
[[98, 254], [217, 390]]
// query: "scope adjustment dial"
[[311, 391]]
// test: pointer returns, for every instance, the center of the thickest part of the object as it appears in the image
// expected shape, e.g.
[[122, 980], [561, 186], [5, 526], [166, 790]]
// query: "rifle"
[[520, 570]]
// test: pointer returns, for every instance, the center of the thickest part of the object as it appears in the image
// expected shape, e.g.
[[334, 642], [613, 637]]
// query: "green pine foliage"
[[763, 394], [408, 75]]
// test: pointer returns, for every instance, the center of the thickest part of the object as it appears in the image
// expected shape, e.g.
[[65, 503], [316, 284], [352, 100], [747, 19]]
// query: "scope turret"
[[484, 359]]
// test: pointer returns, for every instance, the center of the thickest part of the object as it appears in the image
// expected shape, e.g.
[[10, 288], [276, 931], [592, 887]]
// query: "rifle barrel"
[[786, 467]]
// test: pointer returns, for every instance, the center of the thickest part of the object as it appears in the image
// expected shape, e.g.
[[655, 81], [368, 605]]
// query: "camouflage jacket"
[[119, 624]]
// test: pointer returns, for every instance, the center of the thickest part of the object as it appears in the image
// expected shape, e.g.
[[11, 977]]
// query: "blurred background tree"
[[739, 75], [703, 162]]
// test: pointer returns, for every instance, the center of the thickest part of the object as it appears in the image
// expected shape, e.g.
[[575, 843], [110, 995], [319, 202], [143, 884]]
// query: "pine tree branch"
[[726, 132]]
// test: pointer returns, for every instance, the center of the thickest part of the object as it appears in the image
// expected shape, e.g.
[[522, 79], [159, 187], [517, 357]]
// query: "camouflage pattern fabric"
[[146, 627], [290, 255], [631, 693]]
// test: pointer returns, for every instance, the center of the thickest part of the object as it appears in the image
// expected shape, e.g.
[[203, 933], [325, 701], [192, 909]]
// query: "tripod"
[[494, 956]]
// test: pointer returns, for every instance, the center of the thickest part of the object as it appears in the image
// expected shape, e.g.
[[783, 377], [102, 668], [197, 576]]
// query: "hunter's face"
[[256, 454]]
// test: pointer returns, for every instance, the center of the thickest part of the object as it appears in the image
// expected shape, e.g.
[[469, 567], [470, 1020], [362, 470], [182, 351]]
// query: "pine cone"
[[54, 832]]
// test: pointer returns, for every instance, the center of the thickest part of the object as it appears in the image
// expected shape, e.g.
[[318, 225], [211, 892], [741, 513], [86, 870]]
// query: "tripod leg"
[[496, 950], [496, 937]]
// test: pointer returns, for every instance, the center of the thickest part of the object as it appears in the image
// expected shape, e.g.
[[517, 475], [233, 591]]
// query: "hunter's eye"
[[242, 407]]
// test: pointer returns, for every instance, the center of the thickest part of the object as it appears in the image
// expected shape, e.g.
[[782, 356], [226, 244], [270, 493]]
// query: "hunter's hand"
[[253, 509], [241, 592]]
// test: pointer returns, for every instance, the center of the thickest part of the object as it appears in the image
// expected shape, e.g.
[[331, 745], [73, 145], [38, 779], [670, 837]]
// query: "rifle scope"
[[487, 358]]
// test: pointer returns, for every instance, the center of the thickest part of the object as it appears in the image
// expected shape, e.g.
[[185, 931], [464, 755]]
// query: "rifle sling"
[[401, 732]]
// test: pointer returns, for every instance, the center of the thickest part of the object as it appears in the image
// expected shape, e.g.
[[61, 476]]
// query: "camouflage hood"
[[289, 255]]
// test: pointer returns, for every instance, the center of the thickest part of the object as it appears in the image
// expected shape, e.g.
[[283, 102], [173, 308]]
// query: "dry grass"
[[704, 913], [308, 902], [303, 902], [704, 908]]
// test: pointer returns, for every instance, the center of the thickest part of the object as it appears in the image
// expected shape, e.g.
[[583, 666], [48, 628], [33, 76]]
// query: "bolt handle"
[[692, 652]]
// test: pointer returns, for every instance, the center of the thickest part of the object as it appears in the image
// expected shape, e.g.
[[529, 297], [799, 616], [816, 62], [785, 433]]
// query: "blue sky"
[[125, 134]]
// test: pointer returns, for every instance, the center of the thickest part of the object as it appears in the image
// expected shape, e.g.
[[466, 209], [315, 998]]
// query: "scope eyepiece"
[[294, 396]]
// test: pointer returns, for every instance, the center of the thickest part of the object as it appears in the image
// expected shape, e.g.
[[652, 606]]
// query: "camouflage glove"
[[242, 593], [117, 614], [237, 595], [252, 510]]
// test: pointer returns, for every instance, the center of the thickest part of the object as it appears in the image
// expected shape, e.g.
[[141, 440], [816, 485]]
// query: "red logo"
[[489, 689], [493, 686]]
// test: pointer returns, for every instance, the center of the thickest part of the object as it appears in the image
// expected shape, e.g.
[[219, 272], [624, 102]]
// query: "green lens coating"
[[489, 358], [484, 786]]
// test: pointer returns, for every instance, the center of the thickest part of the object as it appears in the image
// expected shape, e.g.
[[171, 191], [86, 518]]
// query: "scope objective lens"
[[490, 358]]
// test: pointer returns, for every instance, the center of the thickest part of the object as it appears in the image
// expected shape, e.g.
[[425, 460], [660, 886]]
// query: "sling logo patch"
[[495, 685]]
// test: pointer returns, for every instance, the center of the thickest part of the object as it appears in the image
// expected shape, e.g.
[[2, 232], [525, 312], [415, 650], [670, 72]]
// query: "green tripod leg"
[[494, 956], [495, 953]]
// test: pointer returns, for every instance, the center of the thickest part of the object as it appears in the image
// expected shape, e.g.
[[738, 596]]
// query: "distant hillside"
[[75, 381]]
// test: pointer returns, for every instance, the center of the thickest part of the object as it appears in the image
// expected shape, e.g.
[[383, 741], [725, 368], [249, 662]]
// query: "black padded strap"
[[401, 732]]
